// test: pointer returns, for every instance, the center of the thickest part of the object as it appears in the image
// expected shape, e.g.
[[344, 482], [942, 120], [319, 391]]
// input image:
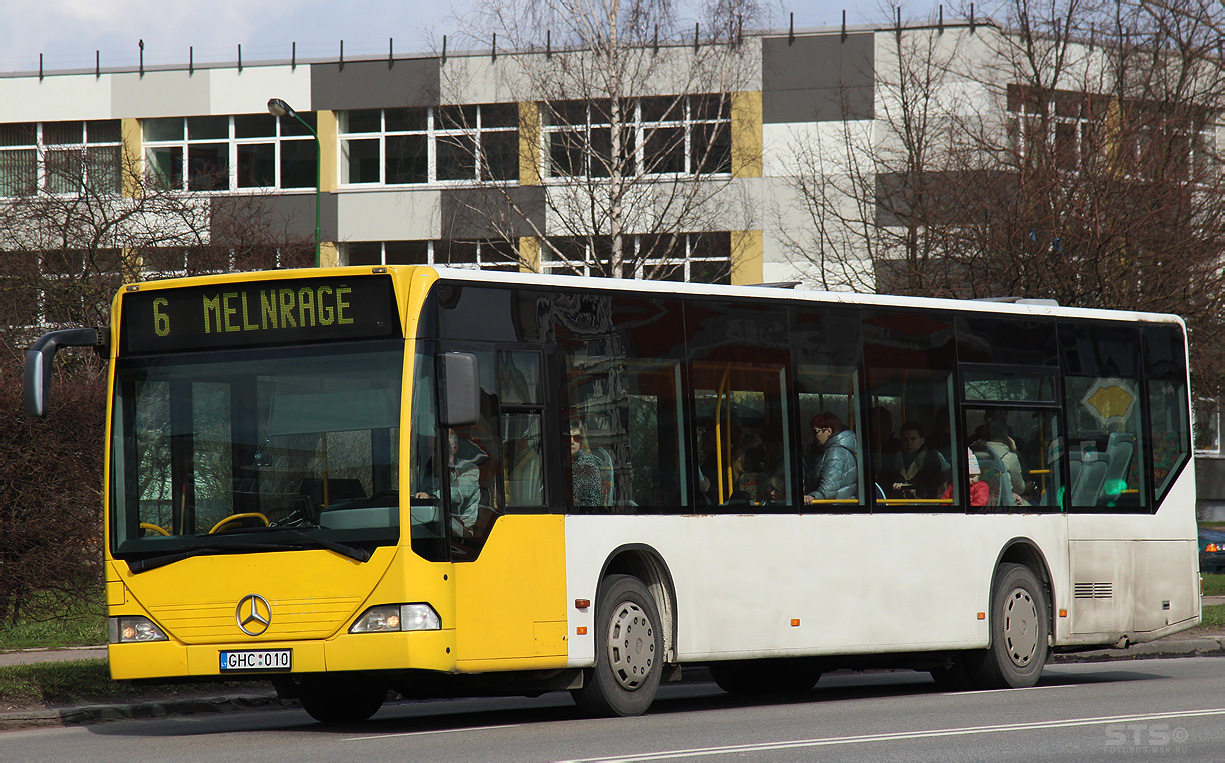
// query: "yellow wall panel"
[[746, 135], [747, 257]]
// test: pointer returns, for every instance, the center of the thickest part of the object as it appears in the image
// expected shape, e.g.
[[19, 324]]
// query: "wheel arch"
[[1027, 553], [646, 563]]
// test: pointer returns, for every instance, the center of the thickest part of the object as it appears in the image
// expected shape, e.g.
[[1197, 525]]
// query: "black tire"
[[341, 700], [777, 676], [1020, 630], [628, 651]]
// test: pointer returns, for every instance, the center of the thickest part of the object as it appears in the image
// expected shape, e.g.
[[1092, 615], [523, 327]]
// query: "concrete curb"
[[1199, 646], [83, 714]]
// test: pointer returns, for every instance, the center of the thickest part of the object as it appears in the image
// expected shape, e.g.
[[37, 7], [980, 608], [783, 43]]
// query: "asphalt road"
[[1172, 707]]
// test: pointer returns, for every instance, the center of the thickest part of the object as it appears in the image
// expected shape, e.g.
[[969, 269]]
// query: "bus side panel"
[[1135, 574], [757, 586], [511, 601]]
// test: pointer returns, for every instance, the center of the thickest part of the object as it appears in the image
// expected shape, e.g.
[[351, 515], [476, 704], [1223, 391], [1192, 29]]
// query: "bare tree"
[[625, 124], [1069, 154], [65, 248]]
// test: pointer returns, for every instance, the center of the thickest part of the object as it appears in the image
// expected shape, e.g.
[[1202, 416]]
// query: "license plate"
[[257, 659]]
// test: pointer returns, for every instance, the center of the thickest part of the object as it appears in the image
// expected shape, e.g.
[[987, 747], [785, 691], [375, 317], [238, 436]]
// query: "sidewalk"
[[1178, 645]]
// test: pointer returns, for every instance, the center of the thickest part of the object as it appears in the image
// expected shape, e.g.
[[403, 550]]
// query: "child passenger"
[[980, 494]]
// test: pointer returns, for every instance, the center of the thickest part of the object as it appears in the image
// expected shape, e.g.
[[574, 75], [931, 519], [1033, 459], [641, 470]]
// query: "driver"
[[465, 485]]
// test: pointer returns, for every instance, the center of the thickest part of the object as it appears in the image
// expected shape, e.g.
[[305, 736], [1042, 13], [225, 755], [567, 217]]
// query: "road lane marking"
[[903, 735], [435, 731]]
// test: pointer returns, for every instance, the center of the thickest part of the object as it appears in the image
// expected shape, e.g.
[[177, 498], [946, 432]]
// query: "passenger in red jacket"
[[980, 494]]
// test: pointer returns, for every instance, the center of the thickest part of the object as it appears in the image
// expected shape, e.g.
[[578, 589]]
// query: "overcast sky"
[[68, 32]]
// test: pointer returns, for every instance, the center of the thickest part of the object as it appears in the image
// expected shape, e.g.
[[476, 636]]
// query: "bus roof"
[[773, 292], [629, 285]]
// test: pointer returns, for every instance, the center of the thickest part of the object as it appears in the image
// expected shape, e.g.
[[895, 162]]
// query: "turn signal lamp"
[[1212, 548], [388, 618], [130, 630]]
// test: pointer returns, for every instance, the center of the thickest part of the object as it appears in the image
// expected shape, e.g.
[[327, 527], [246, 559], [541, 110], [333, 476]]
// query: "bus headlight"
[[397, 617], [132, 629]]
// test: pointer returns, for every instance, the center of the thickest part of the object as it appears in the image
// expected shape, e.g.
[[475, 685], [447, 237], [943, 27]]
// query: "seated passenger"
[[918, 472], [1001, 444], [980, 493], [837, 473], [586, 480]]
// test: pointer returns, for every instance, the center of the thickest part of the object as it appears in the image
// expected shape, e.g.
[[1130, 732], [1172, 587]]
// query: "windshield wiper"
[[357, 554]]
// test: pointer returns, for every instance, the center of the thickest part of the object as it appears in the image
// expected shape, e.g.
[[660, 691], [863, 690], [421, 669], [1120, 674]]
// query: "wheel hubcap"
[[631, 645], [1021, 627]]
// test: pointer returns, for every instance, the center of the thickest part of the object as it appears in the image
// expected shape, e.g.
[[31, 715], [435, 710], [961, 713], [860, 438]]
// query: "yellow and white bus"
[[354, 481]]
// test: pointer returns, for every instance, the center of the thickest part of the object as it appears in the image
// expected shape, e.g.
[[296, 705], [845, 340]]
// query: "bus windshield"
[[256, 449]]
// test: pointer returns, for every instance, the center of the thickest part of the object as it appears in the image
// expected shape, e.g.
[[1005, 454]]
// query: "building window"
[[413, 146], [661, 135], [60, 157], [687, 257], [1081, 130], [482, 254], [221, 153]]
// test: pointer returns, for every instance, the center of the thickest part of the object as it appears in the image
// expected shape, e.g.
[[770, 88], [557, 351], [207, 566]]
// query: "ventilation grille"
[[1094, 590]]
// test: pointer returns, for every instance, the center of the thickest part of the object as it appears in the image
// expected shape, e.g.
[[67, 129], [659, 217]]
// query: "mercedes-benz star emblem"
[[254, 615]]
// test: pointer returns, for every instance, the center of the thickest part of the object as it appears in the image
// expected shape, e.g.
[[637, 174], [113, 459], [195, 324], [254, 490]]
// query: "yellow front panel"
[[510, 600], [313, 594]]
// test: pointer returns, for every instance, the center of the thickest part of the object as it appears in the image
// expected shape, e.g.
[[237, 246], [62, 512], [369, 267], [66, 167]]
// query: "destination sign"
[[258, 313]]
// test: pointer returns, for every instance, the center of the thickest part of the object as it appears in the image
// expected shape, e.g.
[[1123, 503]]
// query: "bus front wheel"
[[1020, 631], [340, 700], [628, 651]]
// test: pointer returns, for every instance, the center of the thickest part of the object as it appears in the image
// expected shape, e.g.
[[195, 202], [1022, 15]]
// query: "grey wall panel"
[[292, 214], [161, 94], [374, 84], [389, 215], [818, 79], [948, 198], [1210, 479], [469, 213]]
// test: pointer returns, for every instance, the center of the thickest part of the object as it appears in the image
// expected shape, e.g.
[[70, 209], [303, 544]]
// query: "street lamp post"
[[279, 108]]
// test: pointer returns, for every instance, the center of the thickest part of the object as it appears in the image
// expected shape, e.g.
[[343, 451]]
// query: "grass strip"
[[1213, 617], [88, 682], [54, 634], [1214, 585]]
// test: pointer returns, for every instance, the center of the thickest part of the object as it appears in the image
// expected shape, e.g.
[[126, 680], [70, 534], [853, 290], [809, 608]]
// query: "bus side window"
[[519, 387], [475, 458], [826, 344], [1105, 408], [910, 363]]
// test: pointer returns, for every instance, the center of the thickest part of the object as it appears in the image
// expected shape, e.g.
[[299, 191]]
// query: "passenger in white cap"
[[980, 493]]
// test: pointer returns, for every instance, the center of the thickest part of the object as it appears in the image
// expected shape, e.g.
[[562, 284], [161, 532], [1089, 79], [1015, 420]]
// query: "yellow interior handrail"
[[719, 435]]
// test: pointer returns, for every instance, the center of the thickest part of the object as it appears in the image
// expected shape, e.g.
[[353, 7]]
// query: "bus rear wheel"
[[628, 651], [1020, 632], [777, 676], [335, 700]]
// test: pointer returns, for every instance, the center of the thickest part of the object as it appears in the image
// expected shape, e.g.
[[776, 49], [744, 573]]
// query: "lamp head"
[[278, 108]]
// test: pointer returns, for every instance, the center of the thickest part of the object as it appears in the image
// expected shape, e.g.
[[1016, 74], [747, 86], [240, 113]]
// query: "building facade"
[[475, 160]]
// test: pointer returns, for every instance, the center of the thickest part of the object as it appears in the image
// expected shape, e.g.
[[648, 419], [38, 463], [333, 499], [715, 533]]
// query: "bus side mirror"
[[461, 389], [39, 358]]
